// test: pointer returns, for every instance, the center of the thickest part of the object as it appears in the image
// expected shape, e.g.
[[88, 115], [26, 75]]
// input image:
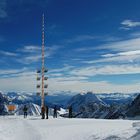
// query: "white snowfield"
[[34, 128]]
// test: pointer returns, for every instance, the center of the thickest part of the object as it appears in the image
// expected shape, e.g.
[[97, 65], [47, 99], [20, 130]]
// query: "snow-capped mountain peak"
[[33, 109]]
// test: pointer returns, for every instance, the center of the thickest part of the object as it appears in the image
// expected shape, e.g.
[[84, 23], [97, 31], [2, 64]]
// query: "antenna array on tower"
[[41, 74]]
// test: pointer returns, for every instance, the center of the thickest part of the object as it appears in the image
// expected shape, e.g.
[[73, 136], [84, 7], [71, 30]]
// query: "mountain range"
[[85, 105], [89, 105], [62, 98]]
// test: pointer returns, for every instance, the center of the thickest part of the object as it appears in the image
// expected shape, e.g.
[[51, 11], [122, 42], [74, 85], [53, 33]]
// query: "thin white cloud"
[[69, 78], [84, 49], [65, 68], [8, 53], [30, 59], [129, 53], [17, 80], [135, 34], [124, 59], [97, 87], [137, 52], [51, 50], [12, 72], [56, 75], [30, 49], [106, 70], [124, 51], [132, 44], [32, 53], [26, 81], [124, 28], [77, 81], [125, 45], [20, 83], [109, 38], [128, 24]]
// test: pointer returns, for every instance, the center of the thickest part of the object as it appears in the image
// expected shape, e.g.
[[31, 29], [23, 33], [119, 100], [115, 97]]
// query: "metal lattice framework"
[[41, 73]]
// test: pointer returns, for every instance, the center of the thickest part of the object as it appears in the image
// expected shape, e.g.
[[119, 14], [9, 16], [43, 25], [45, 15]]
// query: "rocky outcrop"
[[134, 108], [3, 101]]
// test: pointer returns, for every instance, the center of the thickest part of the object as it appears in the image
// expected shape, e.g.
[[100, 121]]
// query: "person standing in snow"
[[43, 112], [70, 111], [55, 112], [25, 109], [47, 110]]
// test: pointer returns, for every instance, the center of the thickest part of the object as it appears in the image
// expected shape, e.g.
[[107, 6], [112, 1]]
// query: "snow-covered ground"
[[33, 128]]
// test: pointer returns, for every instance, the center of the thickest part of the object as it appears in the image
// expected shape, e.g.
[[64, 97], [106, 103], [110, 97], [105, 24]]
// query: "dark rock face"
[[79, 101], [3, 102], [115, 114], [3, 109], [134, 108], [3, 99], [90, 106]]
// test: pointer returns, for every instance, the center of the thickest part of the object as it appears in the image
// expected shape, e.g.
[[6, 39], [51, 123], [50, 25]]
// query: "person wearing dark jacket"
[[70, 111], [43, 112], [25, 109], [47, 110], [55, 112]]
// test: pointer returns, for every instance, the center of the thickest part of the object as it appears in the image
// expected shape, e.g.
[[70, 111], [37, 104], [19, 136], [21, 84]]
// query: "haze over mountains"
[[61, 98]]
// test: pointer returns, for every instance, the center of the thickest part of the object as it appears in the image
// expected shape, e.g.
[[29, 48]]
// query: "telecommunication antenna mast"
[[42, 93], [41, 74]]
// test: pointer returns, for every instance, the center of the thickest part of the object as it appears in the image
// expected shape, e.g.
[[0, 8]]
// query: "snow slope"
[[57, 98], [33, 109], [88, 105], [33, 128], [81, 100], [117, 98]]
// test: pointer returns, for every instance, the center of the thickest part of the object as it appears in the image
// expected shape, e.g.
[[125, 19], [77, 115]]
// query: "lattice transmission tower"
[[41, 75]]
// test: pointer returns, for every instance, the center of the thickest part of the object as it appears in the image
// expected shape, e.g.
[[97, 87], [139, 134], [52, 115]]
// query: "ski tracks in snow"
[[28, 131], [17, 128]]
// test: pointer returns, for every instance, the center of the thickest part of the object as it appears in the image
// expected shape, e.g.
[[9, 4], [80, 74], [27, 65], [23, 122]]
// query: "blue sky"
[[90, 45]]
